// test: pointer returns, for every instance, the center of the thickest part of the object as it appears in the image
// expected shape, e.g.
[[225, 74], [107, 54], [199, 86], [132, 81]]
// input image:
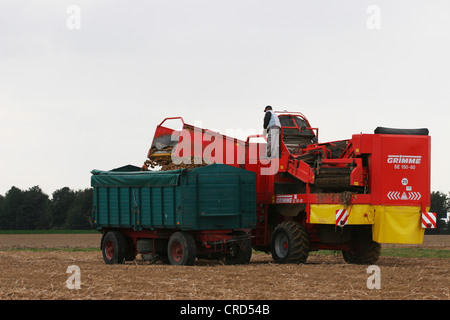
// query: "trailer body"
[[213, 207]]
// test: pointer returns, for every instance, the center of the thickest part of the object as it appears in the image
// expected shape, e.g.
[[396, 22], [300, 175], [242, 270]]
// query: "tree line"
[[440, 204], [32, 209]]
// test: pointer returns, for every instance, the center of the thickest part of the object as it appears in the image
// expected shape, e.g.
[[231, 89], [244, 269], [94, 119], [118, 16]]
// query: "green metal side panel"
[[146, 207], [140, 178], [124, 206], [158, 207], [219, 197], [207, 198]]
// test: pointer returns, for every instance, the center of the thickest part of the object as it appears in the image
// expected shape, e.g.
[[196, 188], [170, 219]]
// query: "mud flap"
[[398, 224]]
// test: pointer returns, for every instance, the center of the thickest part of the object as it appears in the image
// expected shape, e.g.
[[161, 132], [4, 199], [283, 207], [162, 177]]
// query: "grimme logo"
[[401, 159]]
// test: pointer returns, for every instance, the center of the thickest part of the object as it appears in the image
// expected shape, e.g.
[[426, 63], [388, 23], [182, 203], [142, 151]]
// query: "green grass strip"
[[415, 253], [392, 252], [400, 252]]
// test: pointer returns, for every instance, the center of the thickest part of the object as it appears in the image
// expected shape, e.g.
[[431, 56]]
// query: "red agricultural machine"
[[348, 195]]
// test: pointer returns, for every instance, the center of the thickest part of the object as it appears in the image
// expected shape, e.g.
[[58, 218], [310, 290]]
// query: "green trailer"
[[176, 216]]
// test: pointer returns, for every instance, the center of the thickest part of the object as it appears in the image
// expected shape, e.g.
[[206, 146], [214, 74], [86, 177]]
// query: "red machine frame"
[[365, 157]]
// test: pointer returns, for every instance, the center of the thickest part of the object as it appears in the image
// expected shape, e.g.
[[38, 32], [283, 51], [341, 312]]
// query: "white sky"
[[90, 98]]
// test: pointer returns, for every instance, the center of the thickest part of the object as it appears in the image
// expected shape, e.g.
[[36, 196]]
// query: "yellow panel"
[[361, 214], [326, 213], [398, 225], [391, 224]]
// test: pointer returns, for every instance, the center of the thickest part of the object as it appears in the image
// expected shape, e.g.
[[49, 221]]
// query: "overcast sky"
[[84, 87]]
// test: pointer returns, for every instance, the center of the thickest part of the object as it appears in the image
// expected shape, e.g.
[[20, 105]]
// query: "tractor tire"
[[182, 249], [364, 249], [114, 248], [240, 253], [290, 243]]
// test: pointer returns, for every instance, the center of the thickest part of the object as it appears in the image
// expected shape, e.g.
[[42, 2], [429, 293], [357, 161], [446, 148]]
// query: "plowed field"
[[28, 274]]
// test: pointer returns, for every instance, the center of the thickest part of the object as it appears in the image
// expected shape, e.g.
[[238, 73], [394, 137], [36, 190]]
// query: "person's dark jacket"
[[267, 119]]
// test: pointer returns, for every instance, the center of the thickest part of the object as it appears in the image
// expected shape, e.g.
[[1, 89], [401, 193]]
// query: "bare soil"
[[49, 241], [26, 274]]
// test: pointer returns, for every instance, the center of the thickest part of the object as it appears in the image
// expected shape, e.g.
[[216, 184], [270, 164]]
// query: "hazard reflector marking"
[[428, 220], [414, 196], [341, 217], [397, 195], [393, 195]]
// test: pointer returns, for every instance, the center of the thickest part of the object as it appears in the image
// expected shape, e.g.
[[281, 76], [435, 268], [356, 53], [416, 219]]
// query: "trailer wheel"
[[240, 253], [290, 243], [182, 249], [114, 248], [364, 249]]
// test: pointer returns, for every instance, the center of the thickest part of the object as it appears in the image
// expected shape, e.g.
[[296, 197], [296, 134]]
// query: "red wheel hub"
[[176, 251], [109, 250]]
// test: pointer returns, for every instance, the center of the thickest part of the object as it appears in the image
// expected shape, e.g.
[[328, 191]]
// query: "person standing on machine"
[[272, 126]]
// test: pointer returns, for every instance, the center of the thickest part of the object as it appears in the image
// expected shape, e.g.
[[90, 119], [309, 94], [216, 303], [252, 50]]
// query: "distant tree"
[[12, 207], [35, 210], [79, 214], [62, 200], [24, 210], [32, 209], [440, 204], [1, 211]]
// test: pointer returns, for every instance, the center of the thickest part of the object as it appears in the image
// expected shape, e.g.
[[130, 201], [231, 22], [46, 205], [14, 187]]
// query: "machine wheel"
[[114, 248], [364, 249], [290, 243], [182, 249], [240, 253]]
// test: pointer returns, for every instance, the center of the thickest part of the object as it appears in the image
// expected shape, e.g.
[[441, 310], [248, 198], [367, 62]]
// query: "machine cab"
[[296, 132]]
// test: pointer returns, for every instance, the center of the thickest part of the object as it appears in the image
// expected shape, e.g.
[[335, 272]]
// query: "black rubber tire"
[[290, 243], [364, 249], [114, 248], [241, 253], [182, 249]]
